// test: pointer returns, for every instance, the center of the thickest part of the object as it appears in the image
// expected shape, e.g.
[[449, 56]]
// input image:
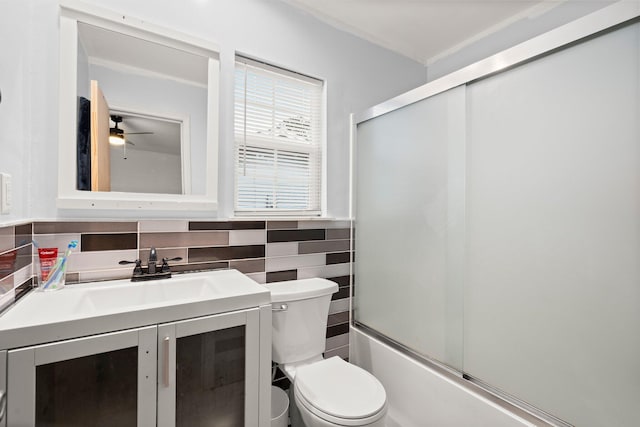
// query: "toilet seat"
[[340, 393]]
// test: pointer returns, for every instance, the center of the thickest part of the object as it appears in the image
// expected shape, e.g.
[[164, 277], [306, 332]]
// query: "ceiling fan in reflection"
[[118, 136]]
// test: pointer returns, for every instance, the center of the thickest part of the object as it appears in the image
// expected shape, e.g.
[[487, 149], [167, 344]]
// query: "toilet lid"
[[340, 389]]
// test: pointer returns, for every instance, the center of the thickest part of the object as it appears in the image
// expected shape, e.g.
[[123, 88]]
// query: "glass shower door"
[[552, 292], [409, 237], [514, 200]]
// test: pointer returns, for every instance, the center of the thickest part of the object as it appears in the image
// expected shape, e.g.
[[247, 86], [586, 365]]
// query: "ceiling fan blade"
[[138, 133], [129, 142]]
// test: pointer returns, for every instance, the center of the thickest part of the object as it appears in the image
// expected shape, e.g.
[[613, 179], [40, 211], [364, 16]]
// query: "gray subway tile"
[[342, 352], [342, 293], [247, 237], [54, 227], [23, 234], [226, 225], [71, 278], [338, 318], [260, 277], [24, 257], [100, 260], [335, 330], [6, 284], [338, 258], [200, 266], [225, 253], [8, 263], [334, 270], [324, 246], [274, 236], [282, 225], [341, 280], [338, 306], [297, 261], [151, 226], [248, 266], [7, 238], [282, 249], [99, 275], [60, 241], [280, 276], [328, 223], [184, 239], [108, 242], [338, 233], [23, 288], [336, 342]]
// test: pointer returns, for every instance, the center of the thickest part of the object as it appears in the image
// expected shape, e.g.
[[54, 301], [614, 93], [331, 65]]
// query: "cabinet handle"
[[3, 404], [165, 361]]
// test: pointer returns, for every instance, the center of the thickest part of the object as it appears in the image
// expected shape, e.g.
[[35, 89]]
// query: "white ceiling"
[[423, 30], [164, 137]]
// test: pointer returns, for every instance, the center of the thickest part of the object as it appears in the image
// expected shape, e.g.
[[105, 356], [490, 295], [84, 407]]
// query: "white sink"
[[98, 307], [152, 293]]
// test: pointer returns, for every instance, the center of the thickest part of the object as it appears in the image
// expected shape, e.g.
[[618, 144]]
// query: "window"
[[278, 140]]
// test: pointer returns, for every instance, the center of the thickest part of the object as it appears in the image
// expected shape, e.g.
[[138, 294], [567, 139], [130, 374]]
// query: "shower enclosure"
[[497, 222]]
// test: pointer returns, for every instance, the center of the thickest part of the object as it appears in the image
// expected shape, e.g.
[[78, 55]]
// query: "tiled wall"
[[267, 251], [15, 262]]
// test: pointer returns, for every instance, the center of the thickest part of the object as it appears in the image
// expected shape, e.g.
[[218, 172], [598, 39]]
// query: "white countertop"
[[93, 308]]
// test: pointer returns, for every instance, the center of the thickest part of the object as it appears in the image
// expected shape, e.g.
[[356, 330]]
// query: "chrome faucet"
[[151, 263], [153, 270]]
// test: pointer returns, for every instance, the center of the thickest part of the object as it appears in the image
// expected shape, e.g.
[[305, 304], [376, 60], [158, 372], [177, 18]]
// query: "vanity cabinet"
[[184, 373], [208, 370]]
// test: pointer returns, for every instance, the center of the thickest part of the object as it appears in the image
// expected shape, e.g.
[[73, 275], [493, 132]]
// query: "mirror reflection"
[[142, 115], [145, 154]]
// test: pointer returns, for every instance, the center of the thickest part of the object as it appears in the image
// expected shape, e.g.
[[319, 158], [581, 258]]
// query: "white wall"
[[84, 81], [358, 75], [15, 131], [29, 112], [145, 171]]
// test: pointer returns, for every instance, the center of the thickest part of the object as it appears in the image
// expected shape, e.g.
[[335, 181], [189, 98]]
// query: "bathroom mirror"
[[151, 154], [148, 134]]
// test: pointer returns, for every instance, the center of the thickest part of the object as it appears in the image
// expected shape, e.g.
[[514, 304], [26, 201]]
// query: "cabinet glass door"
[[208, 371], [104, 380]]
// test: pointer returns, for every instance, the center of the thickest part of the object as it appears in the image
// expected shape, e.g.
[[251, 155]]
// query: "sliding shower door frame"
[[588, 26], [605, 20]]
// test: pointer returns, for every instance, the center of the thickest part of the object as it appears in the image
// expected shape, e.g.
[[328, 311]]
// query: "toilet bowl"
[[325, 392], [333, 392]]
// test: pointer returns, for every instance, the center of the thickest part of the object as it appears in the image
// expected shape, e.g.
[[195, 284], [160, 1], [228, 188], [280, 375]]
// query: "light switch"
[[5, 193]]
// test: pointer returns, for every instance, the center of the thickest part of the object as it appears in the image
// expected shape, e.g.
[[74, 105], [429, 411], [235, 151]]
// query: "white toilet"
[[327, 392]]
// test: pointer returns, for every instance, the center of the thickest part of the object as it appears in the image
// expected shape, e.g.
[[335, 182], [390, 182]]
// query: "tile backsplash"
[[15, 262], [266, 251]]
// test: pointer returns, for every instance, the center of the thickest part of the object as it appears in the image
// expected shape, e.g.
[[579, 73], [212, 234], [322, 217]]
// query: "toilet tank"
[[300, 309]]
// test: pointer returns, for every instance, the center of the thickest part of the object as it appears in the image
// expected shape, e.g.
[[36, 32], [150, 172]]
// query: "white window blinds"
[[278, 140]]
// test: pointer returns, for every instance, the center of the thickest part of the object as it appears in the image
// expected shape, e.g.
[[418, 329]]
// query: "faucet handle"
[[165, 263], [137, 269]]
